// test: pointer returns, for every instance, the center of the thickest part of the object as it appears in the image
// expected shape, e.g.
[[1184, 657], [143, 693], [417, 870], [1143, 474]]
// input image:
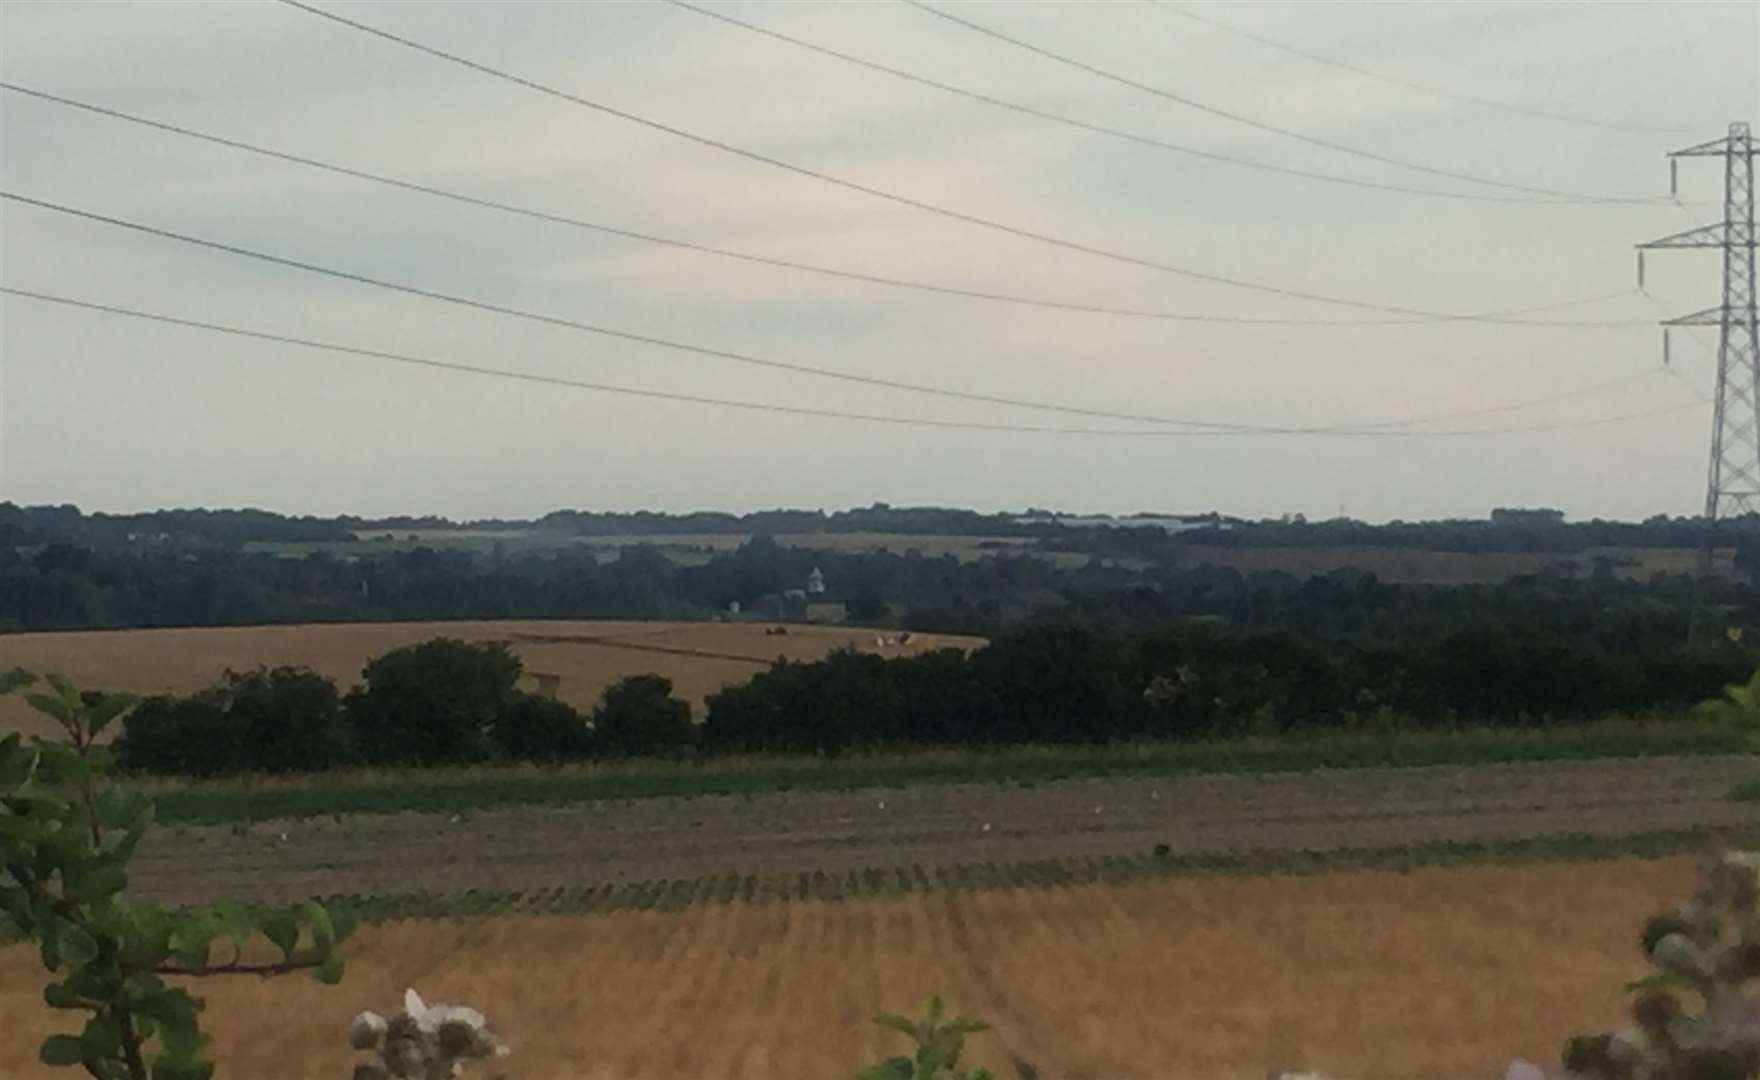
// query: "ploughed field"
[[1437, 973], [698, 657], [783, 833]]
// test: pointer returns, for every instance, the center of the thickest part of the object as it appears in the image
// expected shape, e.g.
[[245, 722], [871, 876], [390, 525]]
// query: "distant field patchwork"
[[699, 658]]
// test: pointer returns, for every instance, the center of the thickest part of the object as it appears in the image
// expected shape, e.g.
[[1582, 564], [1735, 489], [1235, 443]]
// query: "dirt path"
[[837, 831]]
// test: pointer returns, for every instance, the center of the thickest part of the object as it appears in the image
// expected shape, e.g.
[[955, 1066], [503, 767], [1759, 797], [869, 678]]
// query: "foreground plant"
[[423, 1042], [940, 1041], [1696, 1016], [66, 837]]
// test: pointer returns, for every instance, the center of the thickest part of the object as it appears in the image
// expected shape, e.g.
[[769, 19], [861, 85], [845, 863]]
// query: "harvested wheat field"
[[699, 658], [1439, 974]]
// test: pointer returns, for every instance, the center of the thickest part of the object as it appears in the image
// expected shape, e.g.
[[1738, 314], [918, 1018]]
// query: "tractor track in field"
[[782, 832]]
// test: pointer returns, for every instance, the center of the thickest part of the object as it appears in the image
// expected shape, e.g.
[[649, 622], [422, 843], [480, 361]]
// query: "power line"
[[1423, 88], [592, 328], [770, 407], [1290, 133], [548, 380], [1102, 129], [1508, 317], [851, 185]]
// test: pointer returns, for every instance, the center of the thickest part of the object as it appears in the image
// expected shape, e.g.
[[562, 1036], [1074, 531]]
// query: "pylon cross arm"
[[1718, 235], [1708, 317]]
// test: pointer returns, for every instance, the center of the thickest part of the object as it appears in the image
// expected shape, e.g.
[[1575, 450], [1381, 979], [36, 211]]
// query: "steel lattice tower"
[[1733, 486]]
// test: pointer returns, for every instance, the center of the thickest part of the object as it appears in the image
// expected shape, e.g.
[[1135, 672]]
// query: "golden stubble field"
[[1430, 975], [699, 658]]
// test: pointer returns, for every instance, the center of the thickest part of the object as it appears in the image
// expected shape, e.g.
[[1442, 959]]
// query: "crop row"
[[446, 791], [673, 895]]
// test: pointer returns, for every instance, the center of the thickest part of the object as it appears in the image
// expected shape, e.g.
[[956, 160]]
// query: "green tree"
[[640, 715], [436, 703], [536, 728], [276, 720]]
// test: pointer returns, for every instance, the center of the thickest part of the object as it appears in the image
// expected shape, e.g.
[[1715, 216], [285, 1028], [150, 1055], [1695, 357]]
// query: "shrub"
[[276, 720], [1696, 1016], [639, 715], [291, 718], [535, 728], [422, 1041], [436, 703], [191, 735]]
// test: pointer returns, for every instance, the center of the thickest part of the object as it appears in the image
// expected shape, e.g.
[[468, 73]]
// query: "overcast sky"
[[112, 413]]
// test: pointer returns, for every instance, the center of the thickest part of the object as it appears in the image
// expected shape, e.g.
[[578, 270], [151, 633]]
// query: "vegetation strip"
[[238, 801], [675, 895]]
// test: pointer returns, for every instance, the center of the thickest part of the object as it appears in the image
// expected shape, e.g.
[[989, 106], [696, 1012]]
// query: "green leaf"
[[231, 919], [52, 706], [77, 946], [330, 971], [1659, 980], [344, 920], [108, 1069], [190, 940], [16, 679], [323, 931], [96, 883], [63, 686], [896, 1023], [61, 1050], [61, 995], [119, 807], [101, 1038], [891, 1069], [108, 709], [176, 1012], [282, 929], [66, 763], [168, 1068]]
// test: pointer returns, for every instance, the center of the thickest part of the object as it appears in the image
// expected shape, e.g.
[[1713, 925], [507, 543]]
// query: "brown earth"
[[1429, 975], [699, 658], [641, 839]]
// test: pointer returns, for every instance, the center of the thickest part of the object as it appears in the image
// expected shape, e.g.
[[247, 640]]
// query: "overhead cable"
[[865, 189], [1516, 317], [1102, 129], [1422, 88], [772, 407], [1261, 125]]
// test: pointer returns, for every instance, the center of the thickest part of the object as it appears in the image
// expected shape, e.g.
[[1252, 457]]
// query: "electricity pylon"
[[1733, 486]]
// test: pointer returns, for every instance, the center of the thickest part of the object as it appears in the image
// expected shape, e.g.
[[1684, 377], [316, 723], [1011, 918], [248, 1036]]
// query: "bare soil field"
[[1412, 566], [1427, 975], [784, 833], [699, 658]]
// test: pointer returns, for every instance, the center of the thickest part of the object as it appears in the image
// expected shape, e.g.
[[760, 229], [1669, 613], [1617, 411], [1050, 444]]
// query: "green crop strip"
[[675, 895], [227, 801]]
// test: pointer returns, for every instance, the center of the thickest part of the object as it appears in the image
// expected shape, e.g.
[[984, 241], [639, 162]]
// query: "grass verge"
[[487, 787], [673, 895]]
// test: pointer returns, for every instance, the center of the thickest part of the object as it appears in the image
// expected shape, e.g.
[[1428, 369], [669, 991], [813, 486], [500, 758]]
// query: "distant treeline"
[[65, 586], [446, 702], [1505, 530]]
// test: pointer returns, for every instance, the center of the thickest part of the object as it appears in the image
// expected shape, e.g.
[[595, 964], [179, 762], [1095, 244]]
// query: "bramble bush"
[[66, 837], [423, 1042]]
